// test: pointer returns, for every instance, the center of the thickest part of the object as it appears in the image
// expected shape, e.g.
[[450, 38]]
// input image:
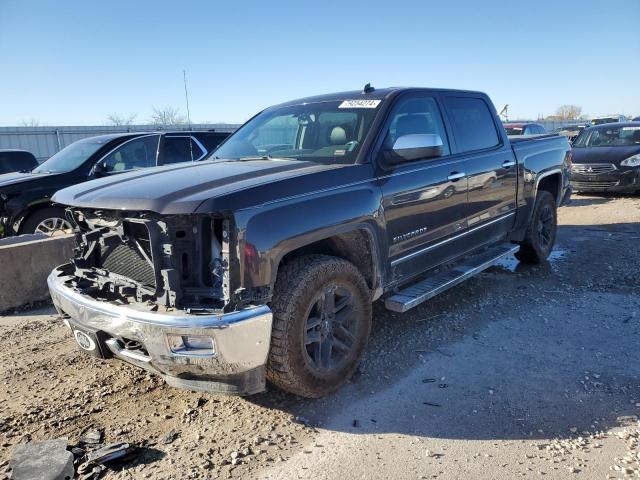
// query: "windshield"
[[609, 137], [71, 157], [323, 132], [514, 130]]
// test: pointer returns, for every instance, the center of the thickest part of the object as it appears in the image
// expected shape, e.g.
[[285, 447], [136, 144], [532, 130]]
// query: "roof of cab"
[[376, 94]]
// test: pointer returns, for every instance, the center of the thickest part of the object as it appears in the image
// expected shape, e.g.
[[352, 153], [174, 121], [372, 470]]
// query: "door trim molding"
[[455, 237]]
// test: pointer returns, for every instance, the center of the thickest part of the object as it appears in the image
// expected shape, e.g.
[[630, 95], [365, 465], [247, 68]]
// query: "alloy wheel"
[[545, 226], [330, 328], [52, 227]]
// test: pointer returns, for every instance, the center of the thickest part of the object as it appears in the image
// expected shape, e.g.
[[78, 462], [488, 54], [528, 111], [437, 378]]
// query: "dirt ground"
[[519, 372]]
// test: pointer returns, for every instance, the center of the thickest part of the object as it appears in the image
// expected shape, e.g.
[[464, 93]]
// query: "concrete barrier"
[[25, 264]]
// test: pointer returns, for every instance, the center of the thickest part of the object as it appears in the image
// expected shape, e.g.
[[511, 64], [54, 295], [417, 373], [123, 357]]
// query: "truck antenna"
[[186, 96], [368, 88]]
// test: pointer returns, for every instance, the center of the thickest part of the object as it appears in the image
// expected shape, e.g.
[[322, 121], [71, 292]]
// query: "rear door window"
[[473, 123], [176, 149]]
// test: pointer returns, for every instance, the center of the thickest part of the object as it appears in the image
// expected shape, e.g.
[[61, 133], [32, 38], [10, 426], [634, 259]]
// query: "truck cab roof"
[[376, 94]]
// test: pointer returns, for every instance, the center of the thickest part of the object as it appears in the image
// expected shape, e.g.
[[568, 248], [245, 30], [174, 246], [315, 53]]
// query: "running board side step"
[[431, 286]]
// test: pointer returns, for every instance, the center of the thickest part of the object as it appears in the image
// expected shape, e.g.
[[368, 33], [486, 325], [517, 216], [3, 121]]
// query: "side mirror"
[[100, 169], [416, 146]]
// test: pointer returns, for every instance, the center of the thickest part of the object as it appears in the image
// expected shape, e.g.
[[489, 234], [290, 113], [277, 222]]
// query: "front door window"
[[137, 153]]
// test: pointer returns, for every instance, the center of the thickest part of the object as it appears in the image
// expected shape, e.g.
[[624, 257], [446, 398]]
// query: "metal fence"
[[46, 141]]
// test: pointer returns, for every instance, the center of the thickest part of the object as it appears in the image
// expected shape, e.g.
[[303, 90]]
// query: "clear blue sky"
[[75, 62]]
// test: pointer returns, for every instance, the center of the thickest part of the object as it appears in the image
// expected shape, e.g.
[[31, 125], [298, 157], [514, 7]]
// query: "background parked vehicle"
[[306, 215], [524, 128], [606, 158], [571, 131], [25, 198], [608, 119], [16, 161]]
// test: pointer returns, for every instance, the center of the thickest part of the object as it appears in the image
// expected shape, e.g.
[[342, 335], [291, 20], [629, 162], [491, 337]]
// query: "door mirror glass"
[[100, 169], [415, 146]]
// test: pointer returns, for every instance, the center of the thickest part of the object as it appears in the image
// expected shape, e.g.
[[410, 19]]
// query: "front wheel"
[[321, 324], [50, 221], [541, 233]]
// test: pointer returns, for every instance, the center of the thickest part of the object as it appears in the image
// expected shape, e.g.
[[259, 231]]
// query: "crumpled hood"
[[604, 154], [8, 179], [181, 188]]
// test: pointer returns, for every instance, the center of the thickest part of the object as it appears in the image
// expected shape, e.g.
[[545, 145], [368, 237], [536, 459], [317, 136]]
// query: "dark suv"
[[25, 198], [16, 161]]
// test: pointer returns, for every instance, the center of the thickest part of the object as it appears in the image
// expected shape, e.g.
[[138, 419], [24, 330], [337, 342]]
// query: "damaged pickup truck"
[[262, 262]]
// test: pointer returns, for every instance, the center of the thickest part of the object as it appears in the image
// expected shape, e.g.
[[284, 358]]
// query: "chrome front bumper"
[[240, 339]]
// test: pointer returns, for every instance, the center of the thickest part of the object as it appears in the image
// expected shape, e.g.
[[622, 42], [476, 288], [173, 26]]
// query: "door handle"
[[508, 164], [453, 176]]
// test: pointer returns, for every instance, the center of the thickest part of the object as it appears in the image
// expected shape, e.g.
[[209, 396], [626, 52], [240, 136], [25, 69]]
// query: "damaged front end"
[[163, 262], [155, 291]]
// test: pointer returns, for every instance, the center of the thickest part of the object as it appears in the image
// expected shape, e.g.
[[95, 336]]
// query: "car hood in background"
[[603, 154], [14, 178], [182, 188]]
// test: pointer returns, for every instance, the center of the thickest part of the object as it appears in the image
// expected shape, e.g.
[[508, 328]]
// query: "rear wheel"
[[541, 233], [322, 320], [49, 221]]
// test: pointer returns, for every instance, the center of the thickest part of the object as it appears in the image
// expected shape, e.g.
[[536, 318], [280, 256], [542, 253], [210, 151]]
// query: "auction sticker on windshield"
[[359, 104]]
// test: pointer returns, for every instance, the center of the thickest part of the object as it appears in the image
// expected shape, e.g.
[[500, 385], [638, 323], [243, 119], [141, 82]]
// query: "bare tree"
[[116, 119], [568, 112], [32, 122], [167, 116]]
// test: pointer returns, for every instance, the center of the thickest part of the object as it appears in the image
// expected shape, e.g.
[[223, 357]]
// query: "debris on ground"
[[93, 462], [170, 437], [46, 460], [91, 437]]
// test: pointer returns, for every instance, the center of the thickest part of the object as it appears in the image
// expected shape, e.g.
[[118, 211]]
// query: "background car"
[[25, 198], [16, 161], [608, 119], [606, 158], [571, 131], [524, 129]]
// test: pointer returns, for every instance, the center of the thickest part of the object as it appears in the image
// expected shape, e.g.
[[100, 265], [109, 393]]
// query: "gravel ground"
[[521, 371]]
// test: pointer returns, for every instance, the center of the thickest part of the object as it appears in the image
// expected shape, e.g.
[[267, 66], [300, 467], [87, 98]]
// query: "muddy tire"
[[321, 324], [541, 233], [49, 221]]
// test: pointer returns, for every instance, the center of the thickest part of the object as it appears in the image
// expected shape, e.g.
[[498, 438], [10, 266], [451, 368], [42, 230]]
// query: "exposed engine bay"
[[162, 262]]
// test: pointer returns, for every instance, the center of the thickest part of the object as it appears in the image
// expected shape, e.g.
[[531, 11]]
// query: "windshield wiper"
[[251, 158]]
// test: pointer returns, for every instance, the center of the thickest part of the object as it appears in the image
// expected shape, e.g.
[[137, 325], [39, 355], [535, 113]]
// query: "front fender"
[[269, 232]]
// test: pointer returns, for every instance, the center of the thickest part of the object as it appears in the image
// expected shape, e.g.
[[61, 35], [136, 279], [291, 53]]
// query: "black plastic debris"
[[47, 460], [106, 454], [94, 474]]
